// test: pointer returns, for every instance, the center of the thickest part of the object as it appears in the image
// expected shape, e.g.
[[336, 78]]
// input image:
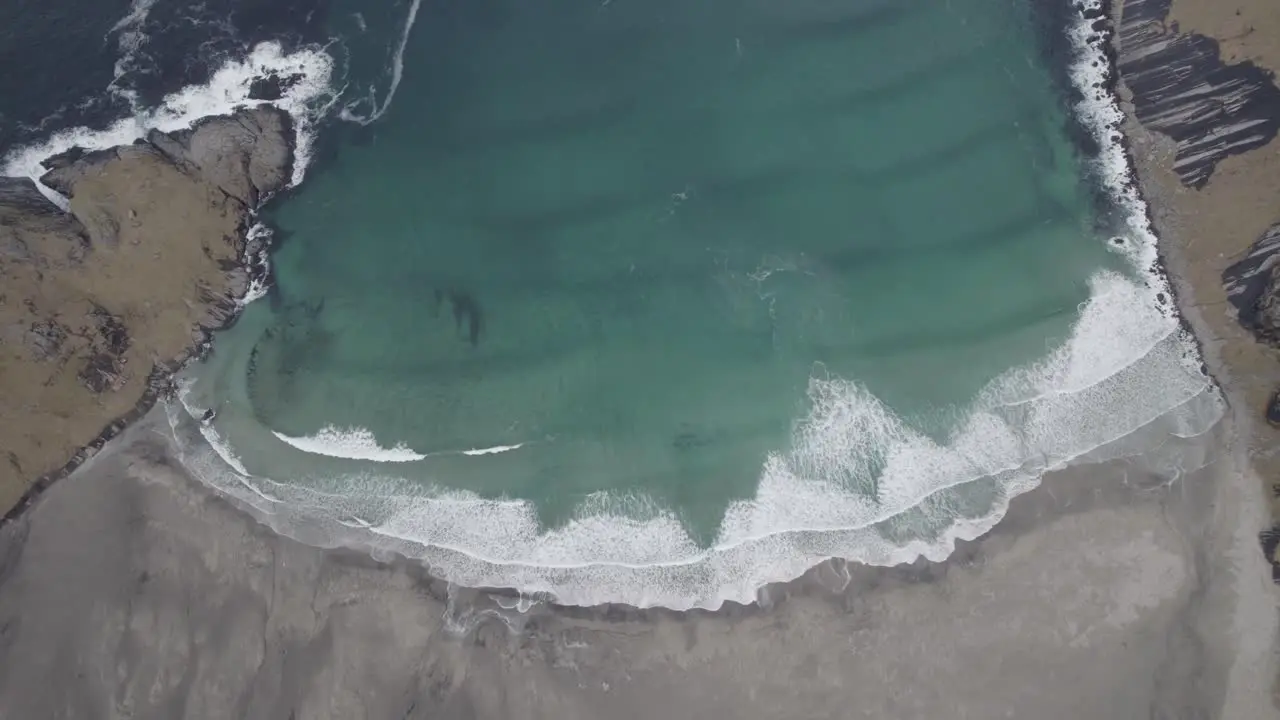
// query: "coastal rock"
[[101, 301], [1181, 88], [65, 169], [1253, 287], [1273, 409], [34, 230], [247, 155], [21, 194], [273, 86]]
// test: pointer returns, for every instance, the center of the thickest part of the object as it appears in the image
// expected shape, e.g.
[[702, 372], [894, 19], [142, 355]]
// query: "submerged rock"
[[99, 303], [1183, 89]]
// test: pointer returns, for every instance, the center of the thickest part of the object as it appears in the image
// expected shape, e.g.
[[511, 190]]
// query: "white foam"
[[216, 443], [138, 11], [258, 255], [1127, 375], [493, 450], [227, 90], [129, 39], [352, 444], [397, 72]]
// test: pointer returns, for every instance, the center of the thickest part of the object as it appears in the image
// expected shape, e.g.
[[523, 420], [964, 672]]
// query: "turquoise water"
[[627, 282]]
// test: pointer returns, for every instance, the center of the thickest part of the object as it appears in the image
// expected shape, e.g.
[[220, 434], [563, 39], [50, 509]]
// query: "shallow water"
[[626, 236], [659, 302]]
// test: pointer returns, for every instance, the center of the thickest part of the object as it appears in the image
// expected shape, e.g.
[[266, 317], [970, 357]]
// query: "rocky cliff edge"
[[101, 302]]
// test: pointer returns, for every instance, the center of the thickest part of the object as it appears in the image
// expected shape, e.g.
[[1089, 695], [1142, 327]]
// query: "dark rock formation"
[[33, 229], [1273, 409], [1270, 540], [1252, 287], [248, 155], [1181, 88], [273, 86]]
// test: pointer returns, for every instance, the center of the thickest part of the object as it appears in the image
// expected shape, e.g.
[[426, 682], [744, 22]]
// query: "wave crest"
[[350, 443]]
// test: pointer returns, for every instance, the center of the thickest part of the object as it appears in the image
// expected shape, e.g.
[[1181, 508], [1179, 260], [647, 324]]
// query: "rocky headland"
[[101, 300]]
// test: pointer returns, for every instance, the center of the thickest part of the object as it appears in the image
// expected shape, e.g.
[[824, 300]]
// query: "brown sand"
[[1245, 29]]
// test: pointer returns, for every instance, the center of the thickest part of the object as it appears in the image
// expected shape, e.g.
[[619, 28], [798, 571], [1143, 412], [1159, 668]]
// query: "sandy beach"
[[1114, 590], [1110, 592]]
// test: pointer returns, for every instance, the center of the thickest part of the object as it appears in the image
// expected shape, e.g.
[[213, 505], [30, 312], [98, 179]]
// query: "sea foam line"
[[351, 444], [1101, 387], [397, 72], [129, 40]]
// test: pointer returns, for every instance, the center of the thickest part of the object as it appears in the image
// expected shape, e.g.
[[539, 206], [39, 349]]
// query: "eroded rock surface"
[[1254, 289], [99, 302], [1183, 89]]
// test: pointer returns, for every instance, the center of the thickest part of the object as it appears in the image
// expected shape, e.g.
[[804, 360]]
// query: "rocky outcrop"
[[1183, 89], [100, 302], [237, 153], [1253, 287]]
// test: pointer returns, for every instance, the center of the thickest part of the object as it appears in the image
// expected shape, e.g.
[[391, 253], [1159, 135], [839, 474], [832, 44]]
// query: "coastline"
[[1208, 229], [105, 284], [1114, 574], [462, 562], [1147, 591]]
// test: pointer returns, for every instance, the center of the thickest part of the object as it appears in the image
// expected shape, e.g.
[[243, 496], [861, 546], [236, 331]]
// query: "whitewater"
[[1129, 373]]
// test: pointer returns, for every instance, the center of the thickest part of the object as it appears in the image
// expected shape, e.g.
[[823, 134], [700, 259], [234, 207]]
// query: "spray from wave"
[[350, 443], [130, 38], [306, 100]]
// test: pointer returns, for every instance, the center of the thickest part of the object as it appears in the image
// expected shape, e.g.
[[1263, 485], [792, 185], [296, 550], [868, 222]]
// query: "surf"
[[857, 481], [306, 101]]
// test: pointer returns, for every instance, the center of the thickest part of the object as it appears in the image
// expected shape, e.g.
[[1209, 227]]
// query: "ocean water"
[[658, 302]]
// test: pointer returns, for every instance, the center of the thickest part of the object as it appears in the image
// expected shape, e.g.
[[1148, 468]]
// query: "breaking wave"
[[350, 443], [857, 481], [1075, 403]]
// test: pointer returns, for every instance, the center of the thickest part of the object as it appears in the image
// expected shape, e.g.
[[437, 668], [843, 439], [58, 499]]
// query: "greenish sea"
[[658, 301]]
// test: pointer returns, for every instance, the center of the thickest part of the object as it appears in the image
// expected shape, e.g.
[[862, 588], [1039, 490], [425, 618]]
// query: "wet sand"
[[1110, 592]]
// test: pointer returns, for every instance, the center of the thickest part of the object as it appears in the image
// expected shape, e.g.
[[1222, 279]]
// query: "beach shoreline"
[[1110, 560], [1112, 590]]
